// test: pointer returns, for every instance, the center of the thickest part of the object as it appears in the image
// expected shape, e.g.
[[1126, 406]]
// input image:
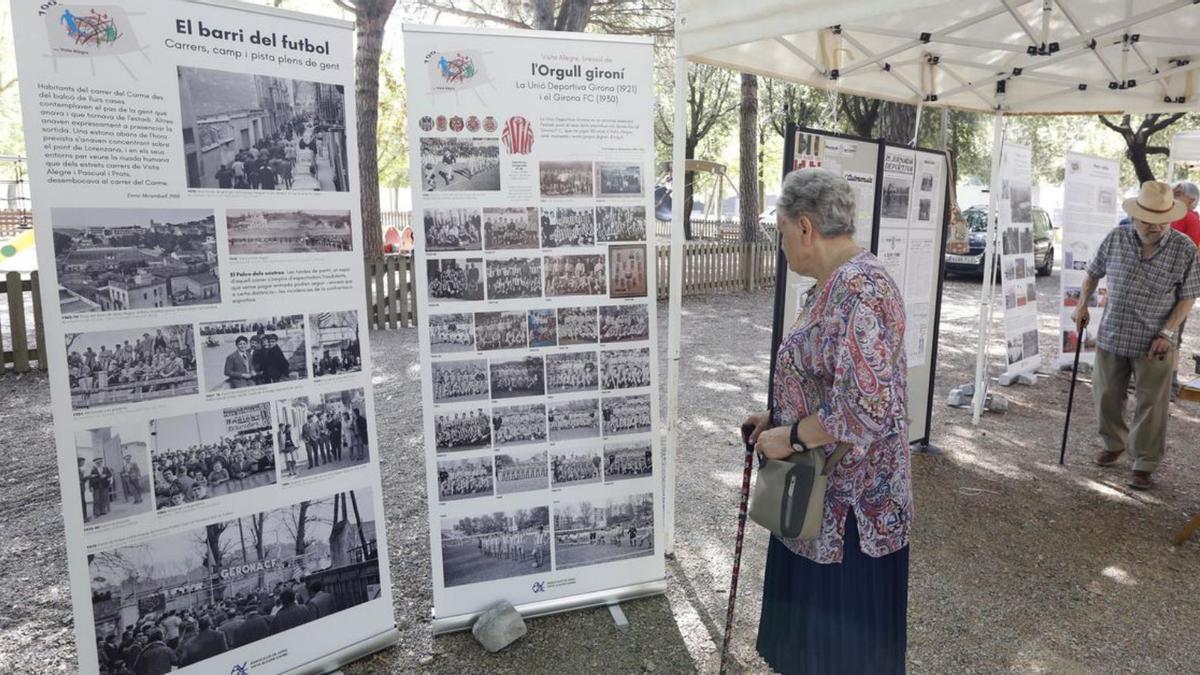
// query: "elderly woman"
[[838, 603]]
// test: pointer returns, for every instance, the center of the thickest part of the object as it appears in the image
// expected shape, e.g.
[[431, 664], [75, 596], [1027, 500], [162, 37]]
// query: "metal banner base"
[[532, 610]]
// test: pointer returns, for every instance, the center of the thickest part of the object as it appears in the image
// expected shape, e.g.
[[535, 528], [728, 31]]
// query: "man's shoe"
[[1140, 480], [1108, 457]]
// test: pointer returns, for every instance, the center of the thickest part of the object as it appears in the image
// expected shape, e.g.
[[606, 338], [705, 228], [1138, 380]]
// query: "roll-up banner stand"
[[531, 162], [903, 207], [1090, 192], [1018, 270], [195, 198]]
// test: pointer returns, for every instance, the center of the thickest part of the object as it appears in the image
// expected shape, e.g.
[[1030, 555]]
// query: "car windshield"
[[976, 219]]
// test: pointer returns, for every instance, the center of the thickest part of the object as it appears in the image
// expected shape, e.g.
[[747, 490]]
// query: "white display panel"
[[195, 198], [1090, 207], [532, 160], [1018, 271]]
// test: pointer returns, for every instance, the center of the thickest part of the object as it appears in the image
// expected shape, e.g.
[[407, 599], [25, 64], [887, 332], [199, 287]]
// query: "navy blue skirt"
[[830, 619]]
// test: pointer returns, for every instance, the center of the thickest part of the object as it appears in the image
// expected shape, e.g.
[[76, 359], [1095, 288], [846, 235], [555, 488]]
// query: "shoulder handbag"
[[789, 494]]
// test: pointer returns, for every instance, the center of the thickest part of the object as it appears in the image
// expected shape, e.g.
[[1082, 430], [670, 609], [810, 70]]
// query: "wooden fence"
[[16, 351], [714, 266], [704, 229], [396, 219], [391, 293]]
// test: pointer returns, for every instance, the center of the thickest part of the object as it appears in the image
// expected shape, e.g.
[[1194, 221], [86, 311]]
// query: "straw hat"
[[1154, 204]]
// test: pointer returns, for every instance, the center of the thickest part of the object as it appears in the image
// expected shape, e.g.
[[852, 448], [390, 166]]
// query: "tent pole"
[[675, 303], [989, 273]]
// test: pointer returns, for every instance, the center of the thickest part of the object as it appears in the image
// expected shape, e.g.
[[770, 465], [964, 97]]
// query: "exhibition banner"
[[1090, 208], [531, 164], [195, 196], [1017, 266]]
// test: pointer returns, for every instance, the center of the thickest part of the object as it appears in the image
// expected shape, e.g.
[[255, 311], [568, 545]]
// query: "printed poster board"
[[195, 196], [1090, 208], [1017, 267], [531, 161]]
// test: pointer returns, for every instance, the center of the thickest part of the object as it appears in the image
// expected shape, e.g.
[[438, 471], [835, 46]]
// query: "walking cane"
[[737, 549], [1080, 332]]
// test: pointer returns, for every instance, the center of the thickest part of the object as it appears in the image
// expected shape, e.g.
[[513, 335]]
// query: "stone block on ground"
[[499, 626]]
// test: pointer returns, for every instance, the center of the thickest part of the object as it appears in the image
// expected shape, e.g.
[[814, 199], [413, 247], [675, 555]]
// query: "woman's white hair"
[[823, 196], [1188, 188]]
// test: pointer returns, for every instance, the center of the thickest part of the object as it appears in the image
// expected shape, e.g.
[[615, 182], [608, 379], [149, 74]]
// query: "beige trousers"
[[1146, 439]]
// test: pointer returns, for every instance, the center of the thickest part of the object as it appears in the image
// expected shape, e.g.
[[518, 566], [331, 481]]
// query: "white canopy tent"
[[1004, 57]]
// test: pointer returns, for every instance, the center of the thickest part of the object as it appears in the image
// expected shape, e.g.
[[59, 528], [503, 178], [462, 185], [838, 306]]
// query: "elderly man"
[[1153, 279]]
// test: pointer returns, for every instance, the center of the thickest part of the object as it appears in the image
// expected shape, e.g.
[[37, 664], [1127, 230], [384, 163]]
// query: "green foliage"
[[392, 148]]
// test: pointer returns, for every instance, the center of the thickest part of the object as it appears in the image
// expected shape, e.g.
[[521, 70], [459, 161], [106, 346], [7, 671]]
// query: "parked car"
[[972, 262]]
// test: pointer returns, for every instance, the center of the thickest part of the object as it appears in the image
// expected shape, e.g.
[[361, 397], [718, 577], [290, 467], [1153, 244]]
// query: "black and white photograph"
[[1023, 269], [565, 179], [1021, 203], [895, 197], [571, 372], [604, 530], [568, 226], [577, 326], [334, 343], [250, 352], [924, 209], [1016, 349], [926, 182], [462, 430], [496, 544], [464, 478], [112, 260], [575, 275], [512, 278], [618, 179], [501, 330], [1106, 200], [521, 471], [624, 368], [626, 415], [128, 365], [1030, 343], [624, 461], [253, 232], [543, 327], [452, 230], [256, 132], [455, 278], [210, 454], [1010, 241], [114, 473], [627, 270], [620, 223], [455, 381], [518, 377], [321, 433], [1026, 239], [573, 420], [460, 164], [510, 228], [195, 593], [519, 424], [1031, 292], [451, 333], [574, 467], [624, 323]]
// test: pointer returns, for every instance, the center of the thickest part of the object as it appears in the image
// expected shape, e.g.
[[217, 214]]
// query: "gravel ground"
[[1018, 565]]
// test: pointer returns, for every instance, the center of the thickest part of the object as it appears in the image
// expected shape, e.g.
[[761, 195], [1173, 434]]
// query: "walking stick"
[[1062, 454], [737, 549]]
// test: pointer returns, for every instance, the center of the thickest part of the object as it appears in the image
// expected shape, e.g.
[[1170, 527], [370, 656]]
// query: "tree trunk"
[[573, 15], [689, 190], [543, 14], [370, 18], [301, 522], [1135, 151], [748, 158], [897, 121]]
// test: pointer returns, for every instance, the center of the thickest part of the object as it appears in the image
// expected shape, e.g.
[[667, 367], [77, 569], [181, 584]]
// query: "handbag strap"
[[835, 458]]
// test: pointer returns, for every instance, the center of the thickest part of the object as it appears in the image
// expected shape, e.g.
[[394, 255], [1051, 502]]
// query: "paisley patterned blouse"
[[844, 362]]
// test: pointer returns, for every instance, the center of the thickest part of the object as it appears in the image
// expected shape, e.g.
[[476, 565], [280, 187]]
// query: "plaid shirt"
[[1142, 292]]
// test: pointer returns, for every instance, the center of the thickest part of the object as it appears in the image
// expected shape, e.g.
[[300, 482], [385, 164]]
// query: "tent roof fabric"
[[1009, 56]]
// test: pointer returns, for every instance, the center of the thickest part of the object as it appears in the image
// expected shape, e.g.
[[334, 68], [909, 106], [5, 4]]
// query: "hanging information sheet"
[[531, 165], [1017, 267], [1090, 190], [195, 197]]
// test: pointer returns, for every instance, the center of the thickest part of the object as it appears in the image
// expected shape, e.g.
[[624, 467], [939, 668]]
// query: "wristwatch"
[[797, 444], [1165, 333]]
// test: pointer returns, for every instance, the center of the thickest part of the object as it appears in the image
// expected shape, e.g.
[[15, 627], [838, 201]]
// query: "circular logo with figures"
[[472, 123], [456, 123], [489, 123], [426, 123], [441, 122]]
